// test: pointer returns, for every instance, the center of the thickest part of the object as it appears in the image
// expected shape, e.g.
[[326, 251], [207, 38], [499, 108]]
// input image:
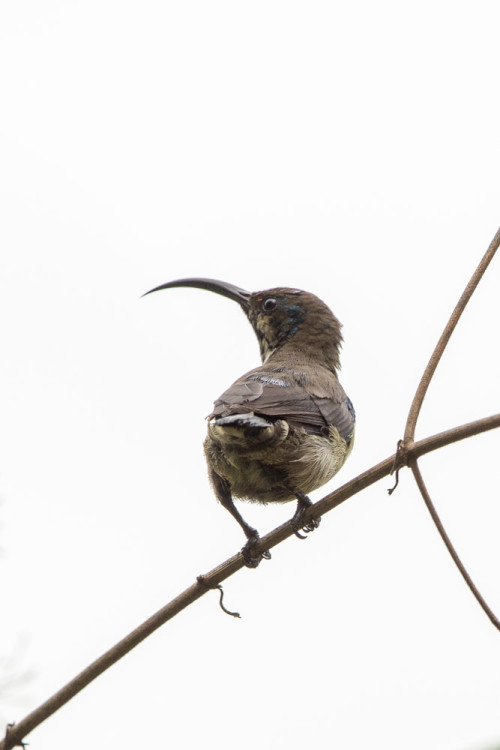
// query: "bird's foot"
[[297, 521], [250, 559]]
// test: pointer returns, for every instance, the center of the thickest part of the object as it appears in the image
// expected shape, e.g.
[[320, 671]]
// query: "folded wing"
[[311, 401]]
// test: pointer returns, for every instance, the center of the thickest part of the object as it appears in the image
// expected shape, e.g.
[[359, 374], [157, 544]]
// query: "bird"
[[286, 427]]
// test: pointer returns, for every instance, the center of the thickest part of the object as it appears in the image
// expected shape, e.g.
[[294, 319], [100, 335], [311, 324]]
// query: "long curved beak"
[[212, 285]]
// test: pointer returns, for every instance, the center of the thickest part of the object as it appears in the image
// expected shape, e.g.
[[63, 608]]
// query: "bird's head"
[[284, 320]]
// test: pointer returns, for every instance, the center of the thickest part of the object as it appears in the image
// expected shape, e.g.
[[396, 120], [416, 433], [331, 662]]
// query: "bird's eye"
[[269, 304]]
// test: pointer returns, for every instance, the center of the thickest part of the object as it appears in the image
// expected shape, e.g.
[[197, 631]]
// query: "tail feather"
[[247, 430], [246, 420]]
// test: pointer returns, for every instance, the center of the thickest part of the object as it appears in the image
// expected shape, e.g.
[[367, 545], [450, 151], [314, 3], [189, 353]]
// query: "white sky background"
[[350, 149]]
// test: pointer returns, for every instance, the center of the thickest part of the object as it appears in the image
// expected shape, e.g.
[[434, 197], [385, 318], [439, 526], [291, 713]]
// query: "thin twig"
[[446, 539], [415, 411], [18, 731], [399, 461], [445, 337], [218, 587]]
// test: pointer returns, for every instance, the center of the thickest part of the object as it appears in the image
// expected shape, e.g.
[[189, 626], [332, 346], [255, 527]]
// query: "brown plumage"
[[286, 427]]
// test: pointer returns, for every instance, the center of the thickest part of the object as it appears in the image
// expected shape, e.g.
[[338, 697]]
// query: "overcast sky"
[[350, 149]]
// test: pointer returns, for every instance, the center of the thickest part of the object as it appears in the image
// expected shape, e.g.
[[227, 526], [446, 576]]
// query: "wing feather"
[[310, 400]]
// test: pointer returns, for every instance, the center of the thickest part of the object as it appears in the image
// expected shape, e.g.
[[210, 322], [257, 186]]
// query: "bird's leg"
[[223, 491], [303, 503], [251, 561]]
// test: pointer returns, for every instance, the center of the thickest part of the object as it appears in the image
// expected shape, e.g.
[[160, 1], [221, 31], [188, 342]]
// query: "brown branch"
[[17, 732], [409, 453], [415, 411], [445, 337]]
